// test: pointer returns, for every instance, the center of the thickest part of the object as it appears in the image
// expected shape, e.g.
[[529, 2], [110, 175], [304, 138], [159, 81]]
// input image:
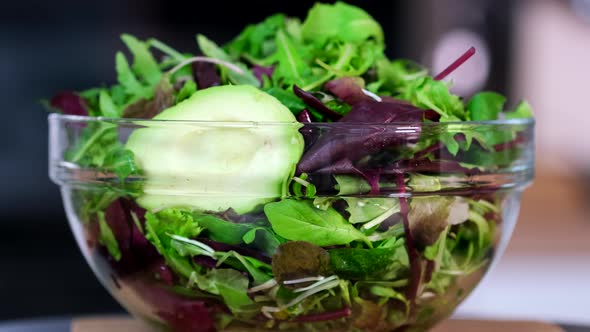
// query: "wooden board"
[[122, 324]]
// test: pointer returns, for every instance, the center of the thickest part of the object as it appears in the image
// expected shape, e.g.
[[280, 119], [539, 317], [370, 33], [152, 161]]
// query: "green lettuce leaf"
[[230, 284], [341, 22]]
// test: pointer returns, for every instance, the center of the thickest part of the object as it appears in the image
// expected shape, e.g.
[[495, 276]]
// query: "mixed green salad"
[[275, 192]]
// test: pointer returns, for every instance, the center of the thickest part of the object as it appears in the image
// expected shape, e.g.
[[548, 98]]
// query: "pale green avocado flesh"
[[240, 157]]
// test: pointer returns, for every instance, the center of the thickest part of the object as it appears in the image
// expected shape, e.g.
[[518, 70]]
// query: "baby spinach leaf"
[[221, 230], [301, 221]]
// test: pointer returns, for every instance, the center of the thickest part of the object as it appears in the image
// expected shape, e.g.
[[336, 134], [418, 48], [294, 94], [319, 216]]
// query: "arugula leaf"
[[230, 284], [144, 64], [210, 49], [107, 238], [127, 78], [291, 67], [341, 22], [107, 107], [300, 220], [397, 74]]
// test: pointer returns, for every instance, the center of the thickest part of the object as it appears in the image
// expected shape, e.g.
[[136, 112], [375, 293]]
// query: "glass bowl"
[[379, 228]]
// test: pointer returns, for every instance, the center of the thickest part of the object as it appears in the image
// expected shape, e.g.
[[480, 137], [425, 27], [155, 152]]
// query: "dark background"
[[47, 46]]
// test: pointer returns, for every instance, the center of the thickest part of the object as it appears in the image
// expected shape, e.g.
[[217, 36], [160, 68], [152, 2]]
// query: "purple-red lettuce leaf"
[[69, 103], [205, 74], [353, 143]]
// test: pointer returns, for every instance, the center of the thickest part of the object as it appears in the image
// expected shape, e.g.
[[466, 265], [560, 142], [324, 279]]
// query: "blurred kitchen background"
[[537, 49]]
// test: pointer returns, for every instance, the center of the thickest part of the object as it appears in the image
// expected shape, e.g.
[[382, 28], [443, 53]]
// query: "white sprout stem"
[[372, 95], [264, 286], [267, 310], [317, 284], [301, 181], [302, 280], [229, 65], [310, 292], [378, 220], [193, 242]]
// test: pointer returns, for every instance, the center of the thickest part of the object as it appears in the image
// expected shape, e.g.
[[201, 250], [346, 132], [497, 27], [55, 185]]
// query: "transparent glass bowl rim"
[[529, 122]]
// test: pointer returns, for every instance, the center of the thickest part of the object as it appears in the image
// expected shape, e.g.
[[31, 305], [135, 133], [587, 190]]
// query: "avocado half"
[[231, 146]]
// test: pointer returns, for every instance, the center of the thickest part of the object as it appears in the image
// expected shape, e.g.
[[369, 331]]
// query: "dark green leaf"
[[299, 259], [291, 66], [370, 264]]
